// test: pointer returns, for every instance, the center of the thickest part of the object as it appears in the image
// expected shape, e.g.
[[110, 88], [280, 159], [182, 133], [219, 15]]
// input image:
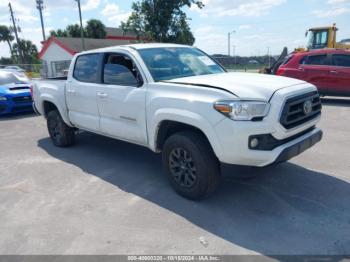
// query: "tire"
[[191, 165], [61, 134]]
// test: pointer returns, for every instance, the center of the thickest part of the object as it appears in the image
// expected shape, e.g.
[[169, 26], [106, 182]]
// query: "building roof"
[[74, 45], [112, 31]]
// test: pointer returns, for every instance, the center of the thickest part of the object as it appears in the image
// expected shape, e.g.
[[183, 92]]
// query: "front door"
[[316, 71], [81, 92], [121, 99]]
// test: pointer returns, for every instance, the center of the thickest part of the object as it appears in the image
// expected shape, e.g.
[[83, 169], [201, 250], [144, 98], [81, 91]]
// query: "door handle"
[[301, 69], [102, 95], [71, 91], [333, 72]]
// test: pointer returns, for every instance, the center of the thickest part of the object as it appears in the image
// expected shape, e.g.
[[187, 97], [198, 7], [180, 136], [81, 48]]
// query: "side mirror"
[[306, 33], [139, 79], [137, 75]]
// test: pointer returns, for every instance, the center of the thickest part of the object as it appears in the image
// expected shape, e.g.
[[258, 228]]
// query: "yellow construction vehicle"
[[324, 37], [318, 38]]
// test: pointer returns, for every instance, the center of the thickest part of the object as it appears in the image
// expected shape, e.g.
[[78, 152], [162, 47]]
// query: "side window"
[[316, 60], [86, 68], [341, 60], [287, 59], [303, 60], [119, 70]]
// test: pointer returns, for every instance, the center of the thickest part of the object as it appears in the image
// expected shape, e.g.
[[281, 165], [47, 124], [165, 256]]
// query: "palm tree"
[[6, 36], [30, 52]]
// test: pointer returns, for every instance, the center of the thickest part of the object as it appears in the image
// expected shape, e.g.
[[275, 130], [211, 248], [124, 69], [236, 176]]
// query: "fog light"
[[254, 143]]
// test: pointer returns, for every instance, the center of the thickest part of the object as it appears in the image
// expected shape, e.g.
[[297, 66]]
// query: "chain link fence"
[[245, 64]]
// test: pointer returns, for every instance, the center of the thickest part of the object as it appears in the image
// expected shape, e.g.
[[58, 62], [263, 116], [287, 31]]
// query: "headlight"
[[242, 110], [3, 98]]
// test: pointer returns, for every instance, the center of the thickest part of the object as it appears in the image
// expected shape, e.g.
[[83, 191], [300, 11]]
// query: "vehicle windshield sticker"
[[206, 60]]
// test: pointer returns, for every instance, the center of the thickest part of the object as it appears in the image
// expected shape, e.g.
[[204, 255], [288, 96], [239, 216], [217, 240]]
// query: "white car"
[[15, 68], [177, 100]]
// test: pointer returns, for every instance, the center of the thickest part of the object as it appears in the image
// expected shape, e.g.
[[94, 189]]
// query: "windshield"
[[10, 78], [317, 39], [168, 63]]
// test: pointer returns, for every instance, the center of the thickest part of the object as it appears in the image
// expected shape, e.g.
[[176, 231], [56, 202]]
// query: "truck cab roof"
[[134, 47]]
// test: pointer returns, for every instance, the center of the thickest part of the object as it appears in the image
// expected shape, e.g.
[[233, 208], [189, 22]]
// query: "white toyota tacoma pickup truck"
[[179, 101]]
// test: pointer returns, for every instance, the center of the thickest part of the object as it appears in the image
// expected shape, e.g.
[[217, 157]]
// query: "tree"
[[95, 29], [5, 61], [161, 21], [73, 30], [30, 52], [59, 33], [6, 36]]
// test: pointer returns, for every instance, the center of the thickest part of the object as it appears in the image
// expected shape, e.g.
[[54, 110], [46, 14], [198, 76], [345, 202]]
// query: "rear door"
[[340, 74], [81, 92], [316, 71]]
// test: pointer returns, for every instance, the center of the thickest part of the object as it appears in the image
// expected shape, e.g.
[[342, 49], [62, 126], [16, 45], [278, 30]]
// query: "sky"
[[258, 26]]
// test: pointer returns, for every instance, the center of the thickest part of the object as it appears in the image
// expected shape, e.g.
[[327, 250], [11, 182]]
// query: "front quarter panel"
[[184, 104]]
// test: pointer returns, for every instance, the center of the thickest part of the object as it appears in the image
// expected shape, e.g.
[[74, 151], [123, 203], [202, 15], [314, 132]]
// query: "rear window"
[[316, 60], [341, 60], [86, 68]]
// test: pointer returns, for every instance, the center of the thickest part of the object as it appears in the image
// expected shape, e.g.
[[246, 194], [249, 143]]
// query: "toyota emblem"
[[307, 107]]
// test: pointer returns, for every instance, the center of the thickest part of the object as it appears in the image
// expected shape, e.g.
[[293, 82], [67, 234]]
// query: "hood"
[[15, 88], [244, 85]]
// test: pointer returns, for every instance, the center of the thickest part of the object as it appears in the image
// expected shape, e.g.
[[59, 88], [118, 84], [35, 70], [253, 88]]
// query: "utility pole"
[[234, 55], [81, 26], [16, 34], [229, 42], [39, 6], [268, 55]]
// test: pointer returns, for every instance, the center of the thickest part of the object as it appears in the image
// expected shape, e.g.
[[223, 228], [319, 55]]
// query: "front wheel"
[[61, 134], [191, 165]]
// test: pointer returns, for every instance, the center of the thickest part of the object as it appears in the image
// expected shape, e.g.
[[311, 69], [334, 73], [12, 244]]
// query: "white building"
[[57, 52]]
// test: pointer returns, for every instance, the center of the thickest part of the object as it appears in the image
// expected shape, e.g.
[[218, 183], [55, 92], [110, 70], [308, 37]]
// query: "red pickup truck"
[[328, 69]]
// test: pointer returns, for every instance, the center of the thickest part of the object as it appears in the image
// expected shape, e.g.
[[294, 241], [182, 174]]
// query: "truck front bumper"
[[236, 151], [299, 147], [277, 144]]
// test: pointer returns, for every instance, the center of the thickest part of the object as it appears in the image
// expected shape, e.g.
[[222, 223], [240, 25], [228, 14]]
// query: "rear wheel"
[[191, 165], [61, 134]]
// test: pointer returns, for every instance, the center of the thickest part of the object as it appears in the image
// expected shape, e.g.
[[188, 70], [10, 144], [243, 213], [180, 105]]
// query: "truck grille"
[[22, 99], [301, 109]]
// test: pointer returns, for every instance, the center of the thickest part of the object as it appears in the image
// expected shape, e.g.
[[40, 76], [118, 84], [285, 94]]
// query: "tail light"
[[280, 71]]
